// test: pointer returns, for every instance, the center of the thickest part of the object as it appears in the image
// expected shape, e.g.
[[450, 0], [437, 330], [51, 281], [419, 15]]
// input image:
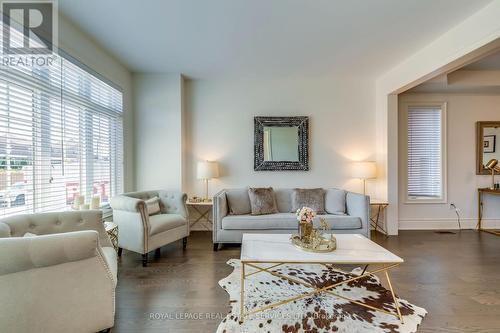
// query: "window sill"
[[425, 201]]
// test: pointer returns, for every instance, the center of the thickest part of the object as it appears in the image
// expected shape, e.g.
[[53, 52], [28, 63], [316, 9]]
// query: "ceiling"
[[203, 39], [491, 62]]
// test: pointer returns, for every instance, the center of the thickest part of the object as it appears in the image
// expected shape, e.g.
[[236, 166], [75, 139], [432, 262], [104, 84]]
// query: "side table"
[[112, 230], [376, 222], [203, 208]]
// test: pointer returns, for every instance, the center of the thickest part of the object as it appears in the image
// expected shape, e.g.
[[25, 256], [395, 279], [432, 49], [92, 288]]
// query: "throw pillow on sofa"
[[312, 198], [153, 205], [335, 201], [238, 202], [262, 201]]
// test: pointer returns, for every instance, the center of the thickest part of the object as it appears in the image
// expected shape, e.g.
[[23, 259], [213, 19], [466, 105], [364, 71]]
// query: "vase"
[[305, 229]]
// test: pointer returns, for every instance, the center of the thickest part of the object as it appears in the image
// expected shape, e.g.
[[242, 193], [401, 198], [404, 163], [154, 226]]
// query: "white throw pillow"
[[153, 205]]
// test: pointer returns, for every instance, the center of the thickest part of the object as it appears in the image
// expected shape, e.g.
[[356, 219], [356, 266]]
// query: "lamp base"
[[492, 179]]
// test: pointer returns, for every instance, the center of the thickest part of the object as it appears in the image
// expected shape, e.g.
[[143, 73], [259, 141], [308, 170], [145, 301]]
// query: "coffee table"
[[273, 250]]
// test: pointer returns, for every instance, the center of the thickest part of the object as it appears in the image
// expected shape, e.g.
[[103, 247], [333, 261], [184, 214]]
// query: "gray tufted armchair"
[[142, 233], [63, 279]]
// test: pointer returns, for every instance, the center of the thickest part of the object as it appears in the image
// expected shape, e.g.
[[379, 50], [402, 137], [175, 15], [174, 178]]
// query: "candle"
[[95, 203], [78, 201], [84, 207]]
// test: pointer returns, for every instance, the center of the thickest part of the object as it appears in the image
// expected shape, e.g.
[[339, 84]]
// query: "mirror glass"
[[490, 145], [281, 143]]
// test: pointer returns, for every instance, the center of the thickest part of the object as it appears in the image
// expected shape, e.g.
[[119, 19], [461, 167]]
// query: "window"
[[426, 153], [61, 136]]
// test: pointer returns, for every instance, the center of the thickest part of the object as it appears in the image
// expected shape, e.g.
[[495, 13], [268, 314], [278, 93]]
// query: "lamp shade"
[[364, 170], [207, 170]]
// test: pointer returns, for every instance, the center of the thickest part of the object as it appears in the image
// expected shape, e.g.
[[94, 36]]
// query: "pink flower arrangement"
[[305, 214]]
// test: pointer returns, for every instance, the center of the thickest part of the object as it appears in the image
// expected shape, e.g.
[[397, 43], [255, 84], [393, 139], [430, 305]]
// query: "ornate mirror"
[[281, 143], [487, 136]]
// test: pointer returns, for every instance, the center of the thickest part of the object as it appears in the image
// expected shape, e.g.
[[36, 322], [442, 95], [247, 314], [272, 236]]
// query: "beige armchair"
[[141, 233], [62, 280]]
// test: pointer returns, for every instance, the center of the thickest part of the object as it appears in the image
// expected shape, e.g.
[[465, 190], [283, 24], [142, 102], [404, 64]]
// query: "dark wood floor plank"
[[456, 277]]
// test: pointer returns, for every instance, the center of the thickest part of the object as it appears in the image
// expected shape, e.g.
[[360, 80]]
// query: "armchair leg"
[[216, 247], [144, 260], [120, 252], [184, 243], [157, 253]]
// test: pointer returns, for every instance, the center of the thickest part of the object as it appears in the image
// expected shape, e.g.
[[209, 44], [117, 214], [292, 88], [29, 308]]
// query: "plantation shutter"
[[425, 174], [61, 136]]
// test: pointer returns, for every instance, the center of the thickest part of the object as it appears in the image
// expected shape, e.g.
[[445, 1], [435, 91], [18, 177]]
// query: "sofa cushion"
[[163, 222], [262, 200], [286, 221], [335, 201], [283, 199], [312, 198], [238, 201], [153, 205]]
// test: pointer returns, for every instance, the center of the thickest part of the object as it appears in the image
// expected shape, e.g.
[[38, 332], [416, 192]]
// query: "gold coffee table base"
[[315, 290]]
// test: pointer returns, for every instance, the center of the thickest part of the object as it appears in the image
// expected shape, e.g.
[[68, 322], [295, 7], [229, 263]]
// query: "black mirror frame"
[[302, 123]]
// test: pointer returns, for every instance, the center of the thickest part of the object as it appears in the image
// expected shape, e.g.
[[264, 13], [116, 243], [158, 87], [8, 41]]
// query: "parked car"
[[13, 197]]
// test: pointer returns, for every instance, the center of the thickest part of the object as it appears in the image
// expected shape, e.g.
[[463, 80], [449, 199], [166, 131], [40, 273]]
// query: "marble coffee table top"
[[351, 249]]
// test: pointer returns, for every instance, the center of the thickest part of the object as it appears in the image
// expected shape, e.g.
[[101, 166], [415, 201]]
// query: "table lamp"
[[207, 170], [364, 170], [493, 166]]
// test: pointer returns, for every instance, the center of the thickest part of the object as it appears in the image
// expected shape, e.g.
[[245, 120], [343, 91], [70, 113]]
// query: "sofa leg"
[[184, 243], [144, 260], [120, 252], [216, 247], [158, 253]]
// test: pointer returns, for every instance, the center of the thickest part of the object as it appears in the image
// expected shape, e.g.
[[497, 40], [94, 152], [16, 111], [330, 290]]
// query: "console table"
[[480, 193]]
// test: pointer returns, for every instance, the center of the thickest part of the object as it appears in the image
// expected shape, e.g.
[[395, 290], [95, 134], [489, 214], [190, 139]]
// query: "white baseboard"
[[446, 223]]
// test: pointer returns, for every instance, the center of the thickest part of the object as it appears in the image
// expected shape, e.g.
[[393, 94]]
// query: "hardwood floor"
[[456, 277]]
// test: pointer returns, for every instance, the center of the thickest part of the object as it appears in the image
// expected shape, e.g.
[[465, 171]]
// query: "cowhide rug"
[[318, 313]]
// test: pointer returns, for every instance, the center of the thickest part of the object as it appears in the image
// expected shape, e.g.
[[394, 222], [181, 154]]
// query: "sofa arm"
[[220, 210], [358, 205], [23, 253], [129, 204], [4, 230]]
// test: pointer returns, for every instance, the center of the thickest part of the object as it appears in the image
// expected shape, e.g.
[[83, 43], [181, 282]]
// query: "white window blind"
[[425, 153], [61, 136]]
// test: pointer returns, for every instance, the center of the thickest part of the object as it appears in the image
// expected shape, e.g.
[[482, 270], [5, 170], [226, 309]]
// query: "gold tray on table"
[[326, 244]]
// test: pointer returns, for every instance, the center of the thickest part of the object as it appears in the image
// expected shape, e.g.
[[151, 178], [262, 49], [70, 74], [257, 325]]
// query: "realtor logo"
[[29, 27]]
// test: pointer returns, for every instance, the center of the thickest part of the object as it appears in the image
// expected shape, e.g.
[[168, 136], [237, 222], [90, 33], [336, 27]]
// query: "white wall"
[[463, 111], [83, 48], [158, 131], [220, 127]]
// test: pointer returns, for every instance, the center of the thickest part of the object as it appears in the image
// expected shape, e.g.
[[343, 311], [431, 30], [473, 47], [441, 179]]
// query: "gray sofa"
[[346, 212]]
